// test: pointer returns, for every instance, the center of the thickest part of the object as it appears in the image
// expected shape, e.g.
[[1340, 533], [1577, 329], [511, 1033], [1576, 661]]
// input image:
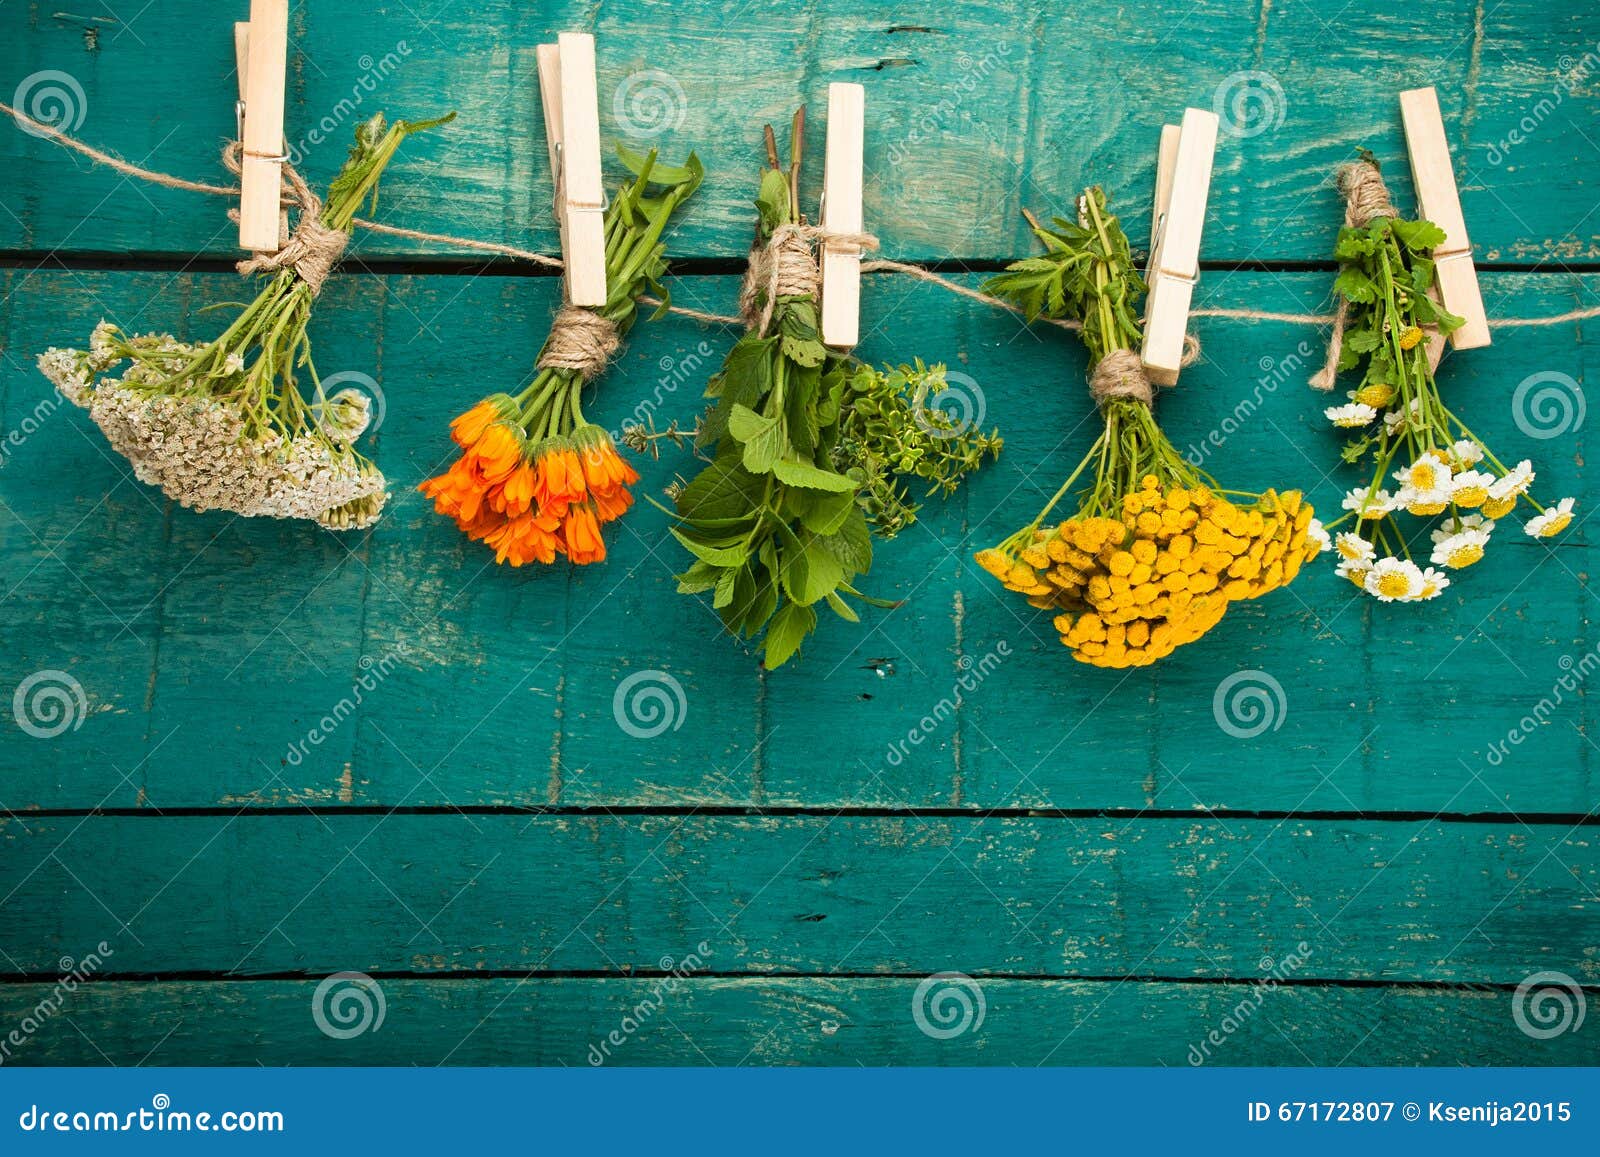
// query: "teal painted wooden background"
[[774, 878]]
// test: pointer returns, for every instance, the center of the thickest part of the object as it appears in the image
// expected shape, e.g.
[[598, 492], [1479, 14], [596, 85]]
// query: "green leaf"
[[759, 603], [746, 374], [1418, 236], [722, 490], [794, 472], [810, 570], [1362, 341], [762, 438], [842, 608], [772, 199], [852, 545], [725, 586], [826, 512], [1355, 285], [702, 576], [787, 630], [724, 553]]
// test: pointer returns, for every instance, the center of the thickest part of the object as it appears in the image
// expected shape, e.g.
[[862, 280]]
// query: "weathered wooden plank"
[[848, 894], [697, 1020], [989, 106], [211, 650]]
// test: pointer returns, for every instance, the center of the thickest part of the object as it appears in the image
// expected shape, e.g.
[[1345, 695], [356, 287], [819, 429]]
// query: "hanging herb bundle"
[[1439, 466], [1156, 550], [535, 478], [804, 445], [892, 428], [224, 424]]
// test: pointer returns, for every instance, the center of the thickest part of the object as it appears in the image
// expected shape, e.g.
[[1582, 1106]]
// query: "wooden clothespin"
[[1166, 164], [1455, 278], [1181, 191], [569, 94], [841, 213], [261, 168], [241, 58]]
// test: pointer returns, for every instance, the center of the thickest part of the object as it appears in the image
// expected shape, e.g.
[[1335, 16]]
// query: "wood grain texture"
[[880, 813], [215, 651], [977, 109], [318, 894], [777, 1020]]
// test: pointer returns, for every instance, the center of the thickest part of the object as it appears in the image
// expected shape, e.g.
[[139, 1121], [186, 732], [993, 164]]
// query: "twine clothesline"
[[877, 265]]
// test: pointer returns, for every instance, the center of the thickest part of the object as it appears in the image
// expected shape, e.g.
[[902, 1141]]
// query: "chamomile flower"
[[1427, 473], [1395, 420], [1394, 580], [1466, 454], [1462, 522], [1470, 488], [1423, 503], [1376, 506], [1355, 569], [1433, 582], [1460, 549], [1317, 533], [1515, 483], [1377, 394], [1353, 548], [1552, 522], [1352, 416]]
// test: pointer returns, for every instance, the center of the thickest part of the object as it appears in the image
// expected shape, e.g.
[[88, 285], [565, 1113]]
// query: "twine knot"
[[786, 266], [1366, 198], [580, 339], [1120, 374], [312, 249]]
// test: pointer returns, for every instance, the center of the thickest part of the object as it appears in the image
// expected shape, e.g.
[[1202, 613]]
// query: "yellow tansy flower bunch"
[[1156, 550]]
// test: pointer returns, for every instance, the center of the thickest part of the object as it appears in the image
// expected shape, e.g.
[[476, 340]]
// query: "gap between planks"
[[469, 976], [821, 811]]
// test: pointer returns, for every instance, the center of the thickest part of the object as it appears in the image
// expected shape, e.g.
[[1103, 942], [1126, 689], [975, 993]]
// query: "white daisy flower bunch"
[[1424, 461]]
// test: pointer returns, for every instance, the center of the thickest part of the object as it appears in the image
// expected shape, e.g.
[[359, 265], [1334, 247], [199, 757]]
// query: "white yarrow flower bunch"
[[225, 424]]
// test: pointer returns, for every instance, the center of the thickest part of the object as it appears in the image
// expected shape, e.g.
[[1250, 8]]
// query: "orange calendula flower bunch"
[[535, 478], [530, 500], [1156, 550]]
